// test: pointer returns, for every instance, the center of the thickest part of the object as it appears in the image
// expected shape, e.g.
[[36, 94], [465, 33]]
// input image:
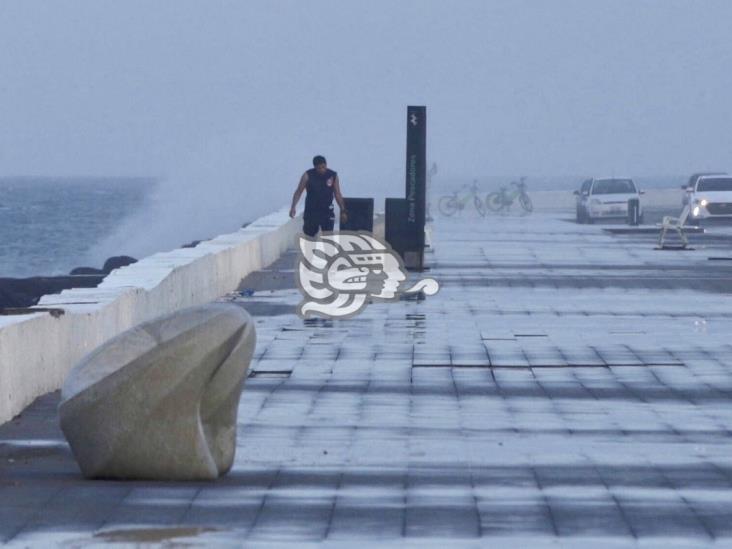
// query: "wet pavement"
[[566, 386]]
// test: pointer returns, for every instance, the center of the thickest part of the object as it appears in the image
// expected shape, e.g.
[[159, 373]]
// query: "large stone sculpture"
[[160, 400]]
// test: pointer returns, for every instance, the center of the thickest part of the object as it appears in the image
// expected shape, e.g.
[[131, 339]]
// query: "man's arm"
[[339, 199], [298, 193]]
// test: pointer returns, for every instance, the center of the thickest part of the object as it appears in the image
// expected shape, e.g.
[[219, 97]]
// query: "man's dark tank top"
[[319, 195]]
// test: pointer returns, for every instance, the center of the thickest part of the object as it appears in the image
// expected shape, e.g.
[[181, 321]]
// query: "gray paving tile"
[[367, 518], [449, 517], [292, 518], [508, 517], [589, 517]]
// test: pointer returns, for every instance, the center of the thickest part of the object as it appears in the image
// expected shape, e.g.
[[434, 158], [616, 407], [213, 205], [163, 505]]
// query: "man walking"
[[322, 186]]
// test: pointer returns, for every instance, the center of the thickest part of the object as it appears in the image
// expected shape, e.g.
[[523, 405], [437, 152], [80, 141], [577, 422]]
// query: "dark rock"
[[86, 271], [192, 244], [116, 262], [111, 264], [25, 292]]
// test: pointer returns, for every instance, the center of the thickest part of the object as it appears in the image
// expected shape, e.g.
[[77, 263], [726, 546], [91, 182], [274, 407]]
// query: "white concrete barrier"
[[565, 200], [38, 350]]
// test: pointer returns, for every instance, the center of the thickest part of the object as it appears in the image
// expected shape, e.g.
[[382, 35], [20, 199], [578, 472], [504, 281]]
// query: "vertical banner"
[[416, 192]]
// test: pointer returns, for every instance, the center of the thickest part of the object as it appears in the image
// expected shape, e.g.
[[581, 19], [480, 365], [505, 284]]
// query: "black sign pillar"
[[416, 192]]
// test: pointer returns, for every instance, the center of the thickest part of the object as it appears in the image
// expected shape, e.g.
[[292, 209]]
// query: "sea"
[[48, 225]]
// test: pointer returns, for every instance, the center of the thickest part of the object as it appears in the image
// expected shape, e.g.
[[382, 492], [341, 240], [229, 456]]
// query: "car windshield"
[[694, 178], [613, 186], [715, 184]]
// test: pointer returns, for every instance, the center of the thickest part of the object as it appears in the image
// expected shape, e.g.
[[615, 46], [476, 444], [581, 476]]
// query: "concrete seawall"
[[38, 350]]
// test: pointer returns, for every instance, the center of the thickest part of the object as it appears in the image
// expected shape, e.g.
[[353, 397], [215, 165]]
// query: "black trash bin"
[[360, 215]]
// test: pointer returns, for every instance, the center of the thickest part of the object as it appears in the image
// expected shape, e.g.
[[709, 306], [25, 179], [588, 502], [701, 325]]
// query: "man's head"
[[320, 164]]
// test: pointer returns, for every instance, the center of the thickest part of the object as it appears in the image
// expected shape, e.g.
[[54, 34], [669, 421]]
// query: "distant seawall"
[[565, 200], [38, 350]]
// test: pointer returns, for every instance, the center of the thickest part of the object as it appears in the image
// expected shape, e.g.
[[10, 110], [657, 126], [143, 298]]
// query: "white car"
[[711, 197], [691, 185], [606, 198]]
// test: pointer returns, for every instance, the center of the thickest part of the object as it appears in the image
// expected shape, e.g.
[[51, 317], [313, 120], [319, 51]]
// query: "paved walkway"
[[565, 387]]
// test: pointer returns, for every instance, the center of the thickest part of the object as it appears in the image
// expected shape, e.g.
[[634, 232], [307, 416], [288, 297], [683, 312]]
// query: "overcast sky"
[[562, 87]]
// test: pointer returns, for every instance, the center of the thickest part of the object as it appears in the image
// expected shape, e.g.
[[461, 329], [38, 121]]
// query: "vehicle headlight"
[[695, 211], [704, 202], [596, 202]]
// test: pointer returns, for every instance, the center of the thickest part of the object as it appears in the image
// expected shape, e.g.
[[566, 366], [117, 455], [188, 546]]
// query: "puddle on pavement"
[[150, 535], [263, 308], [270, 373], [16, 450], [318, 322]]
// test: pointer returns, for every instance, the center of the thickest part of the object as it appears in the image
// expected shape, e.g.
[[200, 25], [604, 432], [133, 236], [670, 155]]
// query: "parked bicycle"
[[449, 205], [501, 201]]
